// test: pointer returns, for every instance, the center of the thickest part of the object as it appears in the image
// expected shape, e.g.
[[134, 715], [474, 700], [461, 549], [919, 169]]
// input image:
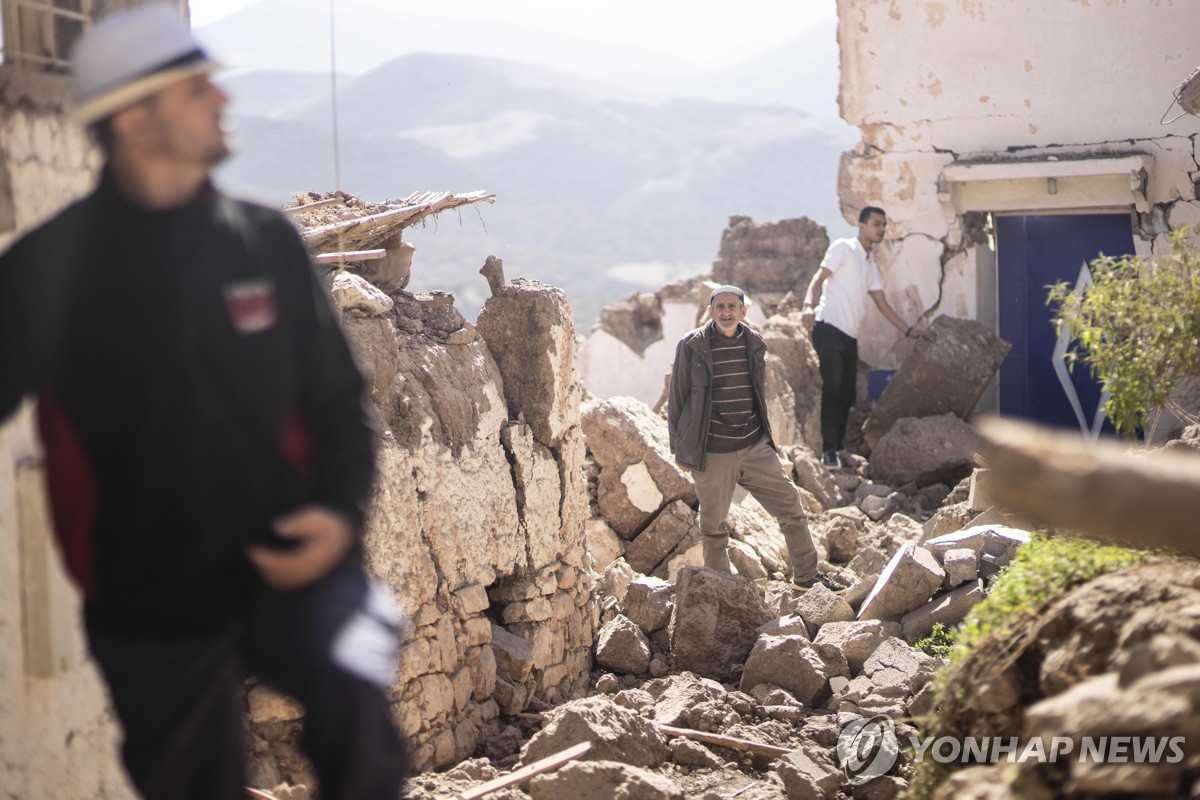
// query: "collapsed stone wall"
[[477, 518], [630, 351]]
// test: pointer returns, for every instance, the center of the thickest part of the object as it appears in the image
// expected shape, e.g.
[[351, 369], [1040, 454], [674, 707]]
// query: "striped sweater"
[[735, 423]]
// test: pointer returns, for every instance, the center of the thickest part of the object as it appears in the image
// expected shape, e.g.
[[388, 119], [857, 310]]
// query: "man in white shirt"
[[834, 307]]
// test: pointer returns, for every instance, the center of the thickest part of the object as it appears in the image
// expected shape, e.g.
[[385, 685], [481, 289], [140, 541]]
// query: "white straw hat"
[[131, 55]]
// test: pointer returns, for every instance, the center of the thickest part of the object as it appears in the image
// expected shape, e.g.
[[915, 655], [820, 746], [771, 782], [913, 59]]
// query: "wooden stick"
[[525, 773], [1100, 490], [726, 741], [352, 255], [304, 209]]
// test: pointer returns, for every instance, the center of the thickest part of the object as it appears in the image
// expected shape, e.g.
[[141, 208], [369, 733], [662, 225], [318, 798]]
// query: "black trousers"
[[838, 354], [179, 697]]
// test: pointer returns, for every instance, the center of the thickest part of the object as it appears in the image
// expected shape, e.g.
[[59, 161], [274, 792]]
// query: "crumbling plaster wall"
[[931, 84], [477, 521]]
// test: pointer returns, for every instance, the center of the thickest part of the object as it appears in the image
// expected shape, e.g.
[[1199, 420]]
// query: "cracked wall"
[[933, 85], [477, 522]]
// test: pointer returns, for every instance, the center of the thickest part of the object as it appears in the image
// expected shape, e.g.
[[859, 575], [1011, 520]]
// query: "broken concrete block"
[[856, 640], [945, 374], [614, 582], [603, 544], [908, 581], [637, 471], [961, 565], [661, 537], [868, 561], [896, 655], [621, 646], [687, 753], [878, 508], [358, 296], [636, 320], [808, 773], [616, 733], [787, 625], [816, 478], [841, 540], [530, 331], [514, 655], [745, 561], [676, 695], [948, 609], [947, 519], [795, 664], [995, 545], [648, 603], [714, 621], [819, 606], [925, 450]]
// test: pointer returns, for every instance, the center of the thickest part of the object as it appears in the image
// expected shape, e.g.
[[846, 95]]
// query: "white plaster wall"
[[990, 74], [611, 368], [931, 83]]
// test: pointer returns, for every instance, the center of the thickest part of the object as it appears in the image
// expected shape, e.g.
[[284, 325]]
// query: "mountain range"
[[602, 187]]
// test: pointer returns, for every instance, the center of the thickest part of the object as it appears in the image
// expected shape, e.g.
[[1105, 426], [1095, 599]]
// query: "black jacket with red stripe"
[[192, 382]]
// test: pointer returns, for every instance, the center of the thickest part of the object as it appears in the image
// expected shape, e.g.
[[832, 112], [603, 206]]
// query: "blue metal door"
[[1032, 253]]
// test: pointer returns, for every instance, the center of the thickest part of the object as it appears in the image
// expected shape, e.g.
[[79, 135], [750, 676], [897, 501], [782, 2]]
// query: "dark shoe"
[[823, 579], [831, 459]]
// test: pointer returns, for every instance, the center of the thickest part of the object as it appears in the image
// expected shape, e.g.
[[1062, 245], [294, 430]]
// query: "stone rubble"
[[579, 594]]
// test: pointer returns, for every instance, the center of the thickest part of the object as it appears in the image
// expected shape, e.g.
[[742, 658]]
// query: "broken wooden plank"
[[351, 255], [726, 741], [1101, 490], [413, 208], [304, 209], [527, 772], [259, 794]]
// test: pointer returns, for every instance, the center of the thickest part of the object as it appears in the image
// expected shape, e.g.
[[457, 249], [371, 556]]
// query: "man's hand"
[[322, 538], [808, 318], [920, 333]]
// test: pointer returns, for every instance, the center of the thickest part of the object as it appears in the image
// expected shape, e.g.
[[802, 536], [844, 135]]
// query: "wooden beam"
[[726, 741], [1100, 490], [351, 255], [525, 773], [304, 209]]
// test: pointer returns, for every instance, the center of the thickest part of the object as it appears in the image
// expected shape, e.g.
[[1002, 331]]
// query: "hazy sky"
[[699, 33]]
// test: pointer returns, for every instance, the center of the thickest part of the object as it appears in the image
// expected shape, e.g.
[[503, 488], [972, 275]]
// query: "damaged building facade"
[[1011, 144]]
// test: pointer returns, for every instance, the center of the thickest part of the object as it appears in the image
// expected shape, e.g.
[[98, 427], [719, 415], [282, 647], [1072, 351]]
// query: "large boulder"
[[908, 581], [529, 328], [794, 663], [714, 621], [924, 451], [616, 734], [638, 475], [945, 374], [660, 538], [621, 646]]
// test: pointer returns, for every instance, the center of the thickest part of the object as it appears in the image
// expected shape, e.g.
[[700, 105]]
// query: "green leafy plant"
[[939, 643], [1137, 326], [1043, 570]]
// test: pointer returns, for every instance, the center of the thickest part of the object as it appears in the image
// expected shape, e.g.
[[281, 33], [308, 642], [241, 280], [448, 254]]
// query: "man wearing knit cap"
[[716, 413], [207, 452]]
